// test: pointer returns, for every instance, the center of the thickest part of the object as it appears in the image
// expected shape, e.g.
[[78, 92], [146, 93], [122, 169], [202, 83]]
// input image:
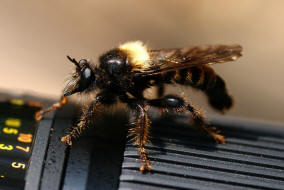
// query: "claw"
[[67, 140], [38, 115], [219, 138], [146, 166]]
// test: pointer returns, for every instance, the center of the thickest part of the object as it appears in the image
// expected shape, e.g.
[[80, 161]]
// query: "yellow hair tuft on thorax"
[[137, 52]]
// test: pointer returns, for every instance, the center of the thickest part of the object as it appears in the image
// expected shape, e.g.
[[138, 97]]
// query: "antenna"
[[73, 60]]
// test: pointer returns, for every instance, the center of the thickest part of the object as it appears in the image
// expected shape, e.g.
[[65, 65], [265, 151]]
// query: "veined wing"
[[166, 60]]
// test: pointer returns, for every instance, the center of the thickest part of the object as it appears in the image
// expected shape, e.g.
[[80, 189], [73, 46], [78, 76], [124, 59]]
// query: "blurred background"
[[36, 36]]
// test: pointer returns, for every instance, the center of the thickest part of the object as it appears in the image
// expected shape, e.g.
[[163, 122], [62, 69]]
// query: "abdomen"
[[205, 79]]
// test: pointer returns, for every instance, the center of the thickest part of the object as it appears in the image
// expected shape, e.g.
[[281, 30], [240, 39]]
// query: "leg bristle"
[[140, 137]]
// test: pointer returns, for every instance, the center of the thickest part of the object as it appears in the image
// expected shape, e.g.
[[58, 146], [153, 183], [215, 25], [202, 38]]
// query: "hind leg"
[[179, 105]]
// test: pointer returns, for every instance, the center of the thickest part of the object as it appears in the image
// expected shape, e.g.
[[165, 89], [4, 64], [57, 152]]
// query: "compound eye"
[[87, 77], [87, 73]]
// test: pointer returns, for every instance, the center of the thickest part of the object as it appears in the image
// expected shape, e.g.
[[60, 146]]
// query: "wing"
[[166, 60]]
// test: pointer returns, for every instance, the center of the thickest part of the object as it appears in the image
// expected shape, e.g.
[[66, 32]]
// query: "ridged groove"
[[182, 158]]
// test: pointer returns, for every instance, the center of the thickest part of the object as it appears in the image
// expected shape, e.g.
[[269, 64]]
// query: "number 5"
[[18, 165]]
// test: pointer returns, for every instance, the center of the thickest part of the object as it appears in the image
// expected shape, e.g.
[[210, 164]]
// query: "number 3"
[[4, 147]]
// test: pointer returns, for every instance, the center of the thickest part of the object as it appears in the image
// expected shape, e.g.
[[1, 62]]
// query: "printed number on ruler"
[[18, 165], [25, 138], [17, 102], [6, 147], [27, 149], [10, 131], [13, 122]]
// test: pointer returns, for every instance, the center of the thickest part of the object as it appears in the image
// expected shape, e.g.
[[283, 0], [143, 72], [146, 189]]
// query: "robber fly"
[[124, 73]]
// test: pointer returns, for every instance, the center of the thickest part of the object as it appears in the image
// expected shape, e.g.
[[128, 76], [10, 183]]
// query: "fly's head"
[[82, 80]]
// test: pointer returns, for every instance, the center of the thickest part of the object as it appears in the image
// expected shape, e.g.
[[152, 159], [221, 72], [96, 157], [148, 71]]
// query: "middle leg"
[[139, 133]]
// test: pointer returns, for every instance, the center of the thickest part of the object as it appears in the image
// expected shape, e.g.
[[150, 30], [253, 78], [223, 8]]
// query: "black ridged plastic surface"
[[182, 158]]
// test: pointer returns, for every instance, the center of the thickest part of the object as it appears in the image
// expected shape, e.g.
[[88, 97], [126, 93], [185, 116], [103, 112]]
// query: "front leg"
[[55, 106], [140, 136], [88, 116]]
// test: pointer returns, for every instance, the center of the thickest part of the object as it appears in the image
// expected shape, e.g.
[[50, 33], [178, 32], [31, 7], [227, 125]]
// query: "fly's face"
[[82, 79]]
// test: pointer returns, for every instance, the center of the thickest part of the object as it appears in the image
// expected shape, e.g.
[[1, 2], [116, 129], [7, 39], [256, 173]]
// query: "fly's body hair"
[[126, 72], [137, 53]]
